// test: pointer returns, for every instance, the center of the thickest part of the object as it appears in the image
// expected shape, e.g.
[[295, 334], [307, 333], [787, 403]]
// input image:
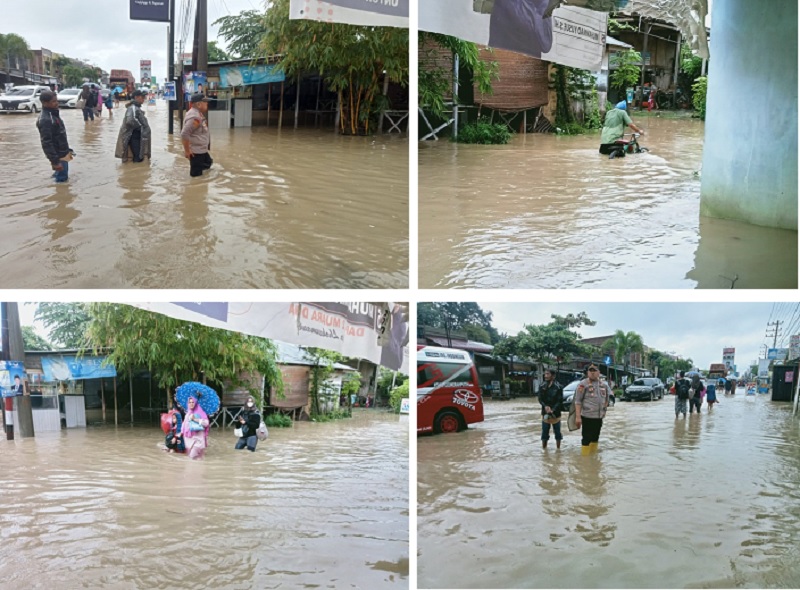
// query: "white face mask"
[[249, 404]]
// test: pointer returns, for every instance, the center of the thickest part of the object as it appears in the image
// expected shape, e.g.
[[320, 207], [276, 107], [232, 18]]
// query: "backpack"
[[683, 389]]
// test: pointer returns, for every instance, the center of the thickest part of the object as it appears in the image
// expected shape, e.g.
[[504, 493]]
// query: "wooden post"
[[130, 389], [103, 399], [297, 103], [280, 119], [316, 109], [675, 73], [116, 419], [269, 102], [525, 122], [338, 119], [383, 111]]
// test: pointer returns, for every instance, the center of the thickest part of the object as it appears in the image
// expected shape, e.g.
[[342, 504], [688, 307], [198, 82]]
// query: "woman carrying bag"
[[249, 421]]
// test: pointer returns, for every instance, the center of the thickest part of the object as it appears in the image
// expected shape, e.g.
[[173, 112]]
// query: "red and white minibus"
[[448, 393]]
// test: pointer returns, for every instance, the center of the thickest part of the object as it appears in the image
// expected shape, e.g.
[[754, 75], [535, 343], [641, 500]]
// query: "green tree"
[[435, 79], [243, 33], [691, 65], [67, 323], [32, 340], [574, 84], [478, 333], [456, 316], [175, 351], [628, 69], [321, 372], [397, 395], [699, 90], [73, 75], [216, 53], [623, 344], [352, 59], [12, 45]]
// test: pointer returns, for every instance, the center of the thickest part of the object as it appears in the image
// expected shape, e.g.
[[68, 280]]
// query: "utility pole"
[[776, 331], [200, 49], [171, 59]]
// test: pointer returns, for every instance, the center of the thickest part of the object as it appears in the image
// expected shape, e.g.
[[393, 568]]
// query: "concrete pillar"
[[750, 152]]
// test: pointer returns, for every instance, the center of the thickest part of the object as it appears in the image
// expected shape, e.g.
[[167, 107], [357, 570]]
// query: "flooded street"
[[548, 211], [295, 209], [317, 506], [712, 501]]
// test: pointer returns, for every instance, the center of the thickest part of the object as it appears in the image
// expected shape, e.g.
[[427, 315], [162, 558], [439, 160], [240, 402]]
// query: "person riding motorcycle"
[[614, 127]]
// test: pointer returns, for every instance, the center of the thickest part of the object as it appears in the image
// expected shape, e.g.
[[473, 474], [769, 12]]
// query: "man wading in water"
[[196, 137]]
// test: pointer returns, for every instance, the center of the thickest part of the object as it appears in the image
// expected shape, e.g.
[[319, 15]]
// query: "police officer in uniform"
[[591, 401]]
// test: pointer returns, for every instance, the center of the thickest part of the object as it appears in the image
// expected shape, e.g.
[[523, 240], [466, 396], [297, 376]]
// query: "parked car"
[[68, 97], [646, 388], [569, 393], [22, 99]]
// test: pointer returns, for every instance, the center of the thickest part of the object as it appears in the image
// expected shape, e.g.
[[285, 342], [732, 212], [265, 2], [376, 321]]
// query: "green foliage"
[[615, 26], [397, 395], [699, 90], [32, 341], [243, 33], [435, 80], [73, 76], [337, 414], [175, 351], [623, 344], [691, 65], [321, 371], [571, 84], [628, 69], [353, 60], [67, 323], [456, 316], [351, 384], [484, 132], [278, 421], [13, 46], [216, 53]]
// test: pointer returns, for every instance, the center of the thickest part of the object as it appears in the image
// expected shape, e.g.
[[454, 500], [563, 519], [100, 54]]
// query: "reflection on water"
[[550, 212], [710, 501], [318, 505], [303, 209]]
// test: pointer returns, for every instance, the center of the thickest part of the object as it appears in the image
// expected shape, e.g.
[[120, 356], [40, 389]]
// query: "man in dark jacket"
[[89, 99], [551, 398], [53, 135]]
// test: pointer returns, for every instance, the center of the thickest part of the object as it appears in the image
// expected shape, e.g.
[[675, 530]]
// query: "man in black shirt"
[[551, 398]]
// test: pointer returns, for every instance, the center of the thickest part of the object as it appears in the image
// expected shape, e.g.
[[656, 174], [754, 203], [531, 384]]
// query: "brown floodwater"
[[295, 209], [316, 506], [712, 501], [548, 211]]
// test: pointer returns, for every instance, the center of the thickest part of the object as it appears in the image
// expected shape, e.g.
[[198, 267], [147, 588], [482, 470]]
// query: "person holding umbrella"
[[195, 429], [249, 421]]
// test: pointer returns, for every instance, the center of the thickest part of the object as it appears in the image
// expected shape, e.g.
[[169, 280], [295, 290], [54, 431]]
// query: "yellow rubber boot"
[[593, 447], [585, 450]]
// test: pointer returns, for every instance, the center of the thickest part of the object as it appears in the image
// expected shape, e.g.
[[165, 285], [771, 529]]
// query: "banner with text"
[[231, 76], [154, 10], [375, 332], [569, 36], [371, 13], [12, 376]]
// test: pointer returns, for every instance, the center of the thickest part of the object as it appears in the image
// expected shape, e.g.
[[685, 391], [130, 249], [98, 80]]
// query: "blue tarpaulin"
[[71, 368]]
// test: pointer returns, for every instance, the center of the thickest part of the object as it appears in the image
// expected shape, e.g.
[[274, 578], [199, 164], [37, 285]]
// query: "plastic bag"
[[262, 433]]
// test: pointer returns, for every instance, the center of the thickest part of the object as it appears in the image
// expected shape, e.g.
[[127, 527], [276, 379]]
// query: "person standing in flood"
[[249, 421], [711, 394], [195, 135], [89, 102], [591, 402], [134, 134], [682, 389], [53, 135], [195, 429], [551, 398], [696, 400]]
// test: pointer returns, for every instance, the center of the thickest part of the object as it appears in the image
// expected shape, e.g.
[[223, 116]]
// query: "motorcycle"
[[618, 150]]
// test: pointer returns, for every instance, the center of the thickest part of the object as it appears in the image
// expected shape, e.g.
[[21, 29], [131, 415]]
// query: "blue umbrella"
[[119, 89], [691, 374], [206, 397]]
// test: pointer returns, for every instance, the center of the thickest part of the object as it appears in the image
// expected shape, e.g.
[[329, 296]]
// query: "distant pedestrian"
[[728, 386], [711, 395], [196, 137], [134, 134], [551, 398], [53, 135], [116, 99], [683, 388], [696, 395], [249, 421], [591, 401], [109, 102], [89, 102]]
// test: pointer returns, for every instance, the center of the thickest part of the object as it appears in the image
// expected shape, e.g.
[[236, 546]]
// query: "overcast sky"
[[693, 330], [102, 33]]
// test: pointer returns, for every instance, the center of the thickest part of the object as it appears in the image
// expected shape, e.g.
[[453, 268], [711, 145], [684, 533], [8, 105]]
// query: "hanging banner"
[[570, 36], [12, 376], [145, 71], [371, 13], [375, 332], [71, 368], [153, 10], [194, 82], [249, 75], [169, 91]]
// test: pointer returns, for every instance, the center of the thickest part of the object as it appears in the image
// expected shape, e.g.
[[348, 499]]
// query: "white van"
[[22, 99]]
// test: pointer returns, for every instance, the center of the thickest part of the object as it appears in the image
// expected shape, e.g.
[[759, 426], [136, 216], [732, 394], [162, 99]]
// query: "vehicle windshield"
[[20, 92], [641, 382], [71, 91]]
